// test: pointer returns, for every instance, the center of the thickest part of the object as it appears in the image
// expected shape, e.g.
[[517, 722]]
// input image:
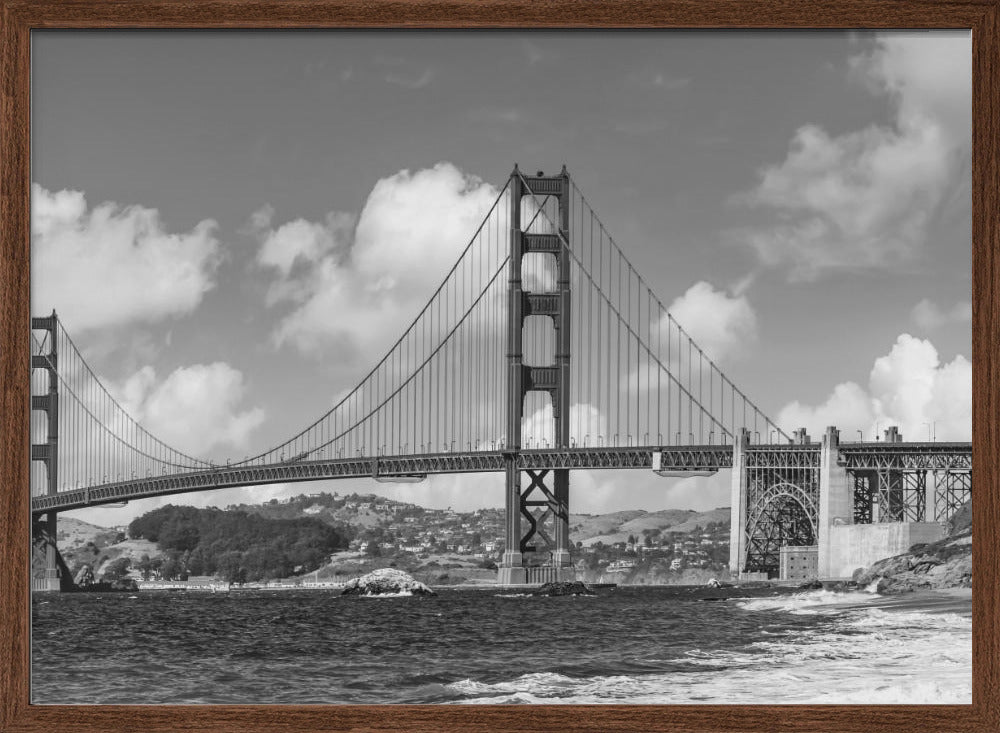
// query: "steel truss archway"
[[784, 514]]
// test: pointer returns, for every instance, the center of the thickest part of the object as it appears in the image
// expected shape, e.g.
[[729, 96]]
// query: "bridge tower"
[[47, 453], [545, 501]]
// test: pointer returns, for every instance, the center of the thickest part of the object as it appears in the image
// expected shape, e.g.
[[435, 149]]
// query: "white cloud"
[[586, 424], [598, 492], [722, 325], [195, 409], [359, 294], [144, 274], [908, 387], [866, 198], [295, 248], [929, 316]]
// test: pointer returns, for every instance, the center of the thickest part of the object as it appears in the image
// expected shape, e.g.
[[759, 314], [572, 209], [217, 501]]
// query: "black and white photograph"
[[376, 367]]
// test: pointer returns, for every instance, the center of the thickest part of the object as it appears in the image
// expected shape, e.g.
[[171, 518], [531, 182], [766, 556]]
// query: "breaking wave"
[[864, 653]]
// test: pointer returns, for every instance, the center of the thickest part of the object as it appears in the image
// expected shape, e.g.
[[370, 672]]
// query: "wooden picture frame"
[[20, 17]]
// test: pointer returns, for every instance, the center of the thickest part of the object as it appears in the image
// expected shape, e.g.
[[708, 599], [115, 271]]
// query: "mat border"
[[19, 17]]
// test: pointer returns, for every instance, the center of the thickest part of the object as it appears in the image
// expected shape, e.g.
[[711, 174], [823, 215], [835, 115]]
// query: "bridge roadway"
[[677, 458], [892, 456]]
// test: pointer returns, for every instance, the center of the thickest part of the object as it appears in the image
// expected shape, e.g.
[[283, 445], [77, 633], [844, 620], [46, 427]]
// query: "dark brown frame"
[[20, 16]]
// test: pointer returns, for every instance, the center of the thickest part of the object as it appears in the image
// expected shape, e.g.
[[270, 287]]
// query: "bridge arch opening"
[[784, 516]]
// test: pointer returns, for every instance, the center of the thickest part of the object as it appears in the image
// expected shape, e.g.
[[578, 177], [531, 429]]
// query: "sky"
[[801, 200]]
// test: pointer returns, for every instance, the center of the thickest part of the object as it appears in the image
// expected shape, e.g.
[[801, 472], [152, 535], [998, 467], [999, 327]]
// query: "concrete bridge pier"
[[738, 504], [836, 498]]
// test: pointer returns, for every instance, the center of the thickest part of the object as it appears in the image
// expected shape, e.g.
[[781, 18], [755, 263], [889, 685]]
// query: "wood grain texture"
[[18, 17]]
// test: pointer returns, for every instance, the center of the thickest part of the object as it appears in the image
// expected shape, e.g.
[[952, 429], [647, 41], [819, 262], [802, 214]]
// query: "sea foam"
[[861, 654]]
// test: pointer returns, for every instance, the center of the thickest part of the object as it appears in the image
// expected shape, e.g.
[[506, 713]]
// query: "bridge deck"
[[856, 456], [674, 458]]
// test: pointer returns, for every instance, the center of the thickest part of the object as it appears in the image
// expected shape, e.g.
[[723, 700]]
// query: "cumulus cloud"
[[929, 316], [195, 409], [907, 387], [143, 273], [296, 248], [358, 286], [586, 424], [866, 198], [722, 325]]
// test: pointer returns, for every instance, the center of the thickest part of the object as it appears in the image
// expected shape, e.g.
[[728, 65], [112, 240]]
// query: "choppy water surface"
[[629, 645]]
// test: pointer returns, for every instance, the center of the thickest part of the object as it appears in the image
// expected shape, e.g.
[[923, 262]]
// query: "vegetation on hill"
[[435, 545], [235, 545]]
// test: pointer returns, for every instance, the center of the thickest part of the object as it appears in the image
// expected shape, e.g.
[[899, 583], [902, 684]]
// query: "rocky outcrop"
[[716, 583], [565, 588], [946, 563], [84, 577], [386, 581]]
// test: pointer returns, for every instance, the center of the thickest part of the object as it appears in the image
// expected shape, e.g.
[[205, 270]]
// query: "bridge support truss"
[[47, 453], [916, 483], [850, 503], [776, 503], [537, 515]]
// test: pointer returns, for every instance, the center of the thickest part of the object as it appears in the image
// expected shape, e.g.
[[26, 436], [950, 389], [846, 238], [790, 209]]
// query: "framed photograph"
[[498, 366]]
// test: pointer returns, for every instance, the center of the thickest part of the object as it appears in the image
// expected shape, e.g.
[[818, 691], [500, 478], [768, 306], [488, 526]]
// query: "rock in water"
[[716, 583], [565, 588], [386, 581]]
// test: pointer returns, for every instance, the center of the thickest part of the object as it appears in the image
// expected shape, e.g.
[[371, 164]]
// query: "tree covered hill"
[[236, 545]]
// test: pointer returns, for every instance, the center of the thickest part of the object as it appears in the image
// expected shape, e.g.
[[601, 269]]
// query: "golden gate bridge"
[[542, 351]]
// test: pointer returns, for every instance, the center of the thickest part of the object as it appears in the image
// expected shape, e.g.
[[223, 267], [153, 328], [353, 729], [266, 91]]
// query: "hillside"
[[609, 529], [235, 545], [338, 510], [74, 533], [437, 545], [82, 543], [441, 545], [584, 526]]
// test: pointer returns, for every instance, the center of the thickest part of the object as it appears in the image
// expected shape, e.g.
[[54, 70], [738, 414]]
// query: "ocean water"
[[628, 645]]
